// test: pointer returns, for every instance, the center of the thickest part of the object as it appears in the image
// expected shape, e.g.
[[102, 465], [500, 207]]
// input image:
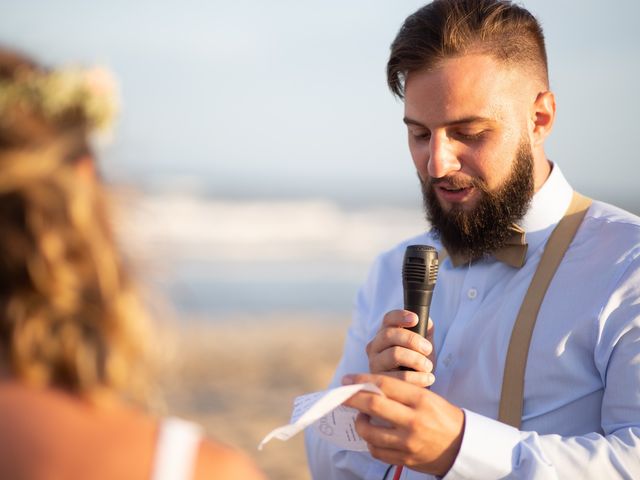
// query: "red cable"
[[396, 476]]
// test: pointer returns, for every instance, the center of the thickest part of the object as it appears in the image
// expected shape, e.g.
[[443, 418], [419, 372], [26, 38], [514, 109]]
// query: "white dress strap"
[[176, 449]]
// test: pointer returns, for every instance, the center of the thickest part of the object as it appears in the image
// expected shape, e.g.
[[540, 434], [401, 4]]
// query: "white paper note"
[[324, 410]]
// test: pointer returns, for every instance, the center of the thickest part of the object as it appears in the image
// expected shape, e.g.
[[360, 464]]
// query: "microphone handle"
[[418, 302]]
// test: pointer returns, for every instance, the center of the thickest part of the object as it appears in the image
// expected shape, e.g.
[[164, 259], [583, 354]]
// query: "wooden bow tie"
[[513, 253]]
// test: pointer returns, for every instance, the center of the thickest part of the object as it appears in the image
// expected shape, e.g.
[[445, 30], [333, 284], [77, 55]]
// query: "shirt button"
[[472, 293]]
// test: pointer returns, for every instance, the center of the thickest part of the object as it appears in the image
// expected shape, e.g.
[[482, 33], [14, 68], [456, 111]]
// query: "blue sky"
[[289, 98]]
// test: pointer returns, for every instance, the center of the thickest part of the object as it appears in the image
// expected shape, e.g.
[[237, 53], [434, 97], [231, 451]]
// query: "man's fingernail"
[[410, 318], [431, 378], [347, 380], [425, 346]]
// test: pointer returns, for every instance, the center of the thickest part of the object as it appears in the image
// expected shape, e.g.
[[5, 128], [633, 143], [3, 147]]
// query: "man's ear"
[[543, 116]]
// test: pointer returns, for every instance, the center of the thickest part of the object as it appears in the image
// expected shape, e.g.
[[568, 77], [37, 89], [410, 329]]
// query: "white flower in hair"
[[90, 94]]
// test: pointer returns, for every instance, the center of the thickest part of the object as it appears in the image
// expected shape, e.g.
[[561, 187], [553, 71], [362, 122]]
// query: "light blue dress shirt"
[[581, 415]]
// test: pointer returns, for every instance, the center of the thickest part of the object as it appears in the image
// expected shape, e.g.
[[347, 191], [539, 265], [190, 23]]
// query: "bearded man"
[[478, 109]]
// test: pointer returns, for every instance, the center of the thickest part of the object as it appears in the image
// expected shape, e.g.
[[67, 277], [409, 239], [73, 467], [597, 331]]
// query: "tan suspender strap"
[[511, 398]]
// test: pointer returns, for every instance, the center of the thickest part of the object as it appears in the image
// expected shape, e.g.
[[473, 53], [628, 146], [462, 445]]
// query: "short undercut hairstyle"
[[452, 28]]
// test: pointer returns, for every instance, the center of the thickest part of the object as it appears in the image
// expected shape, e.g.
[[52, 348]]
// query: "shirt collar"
[[547, 208]]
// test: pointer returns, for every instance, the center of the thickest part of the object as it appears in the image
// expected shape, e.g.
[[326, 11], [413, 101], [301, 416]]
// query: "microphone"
[[419, 273]]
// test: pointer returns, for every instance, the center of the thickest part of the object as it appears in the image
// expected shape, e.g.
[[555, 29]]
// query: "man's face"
[[484, 228], [466, 122]]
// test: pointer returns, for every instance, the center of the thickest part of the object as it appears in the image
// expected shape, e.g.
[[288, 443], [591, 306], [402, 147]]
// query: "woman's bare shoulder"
[[219, 461]]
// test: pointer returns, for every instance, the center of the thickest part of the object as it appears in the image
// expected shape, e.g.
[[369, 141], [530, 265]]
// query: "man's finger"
[[401, 392], [381, 407], [377, 435], [394, 357], [388, 455], [420, 379], [401, 337], [399, 318], [429, 327]]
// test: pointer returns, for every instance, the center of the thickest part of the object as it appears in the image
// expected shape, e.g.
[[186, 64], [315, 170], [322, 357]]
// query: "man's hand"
[[424, 431], [394, 346]]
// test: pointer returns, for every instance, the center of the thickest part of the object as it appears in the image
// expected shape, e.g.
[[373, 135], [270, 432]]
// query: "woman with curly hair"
[[73, 332]]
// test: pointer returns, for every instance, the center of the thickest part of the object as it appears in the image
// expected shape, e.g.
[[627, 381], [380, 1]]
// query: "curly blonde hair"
[[69, 315]]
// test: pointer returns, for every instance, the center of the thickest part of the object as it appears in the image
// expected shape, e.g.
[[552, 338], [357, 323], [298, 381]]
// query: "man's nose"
[[442, 157]]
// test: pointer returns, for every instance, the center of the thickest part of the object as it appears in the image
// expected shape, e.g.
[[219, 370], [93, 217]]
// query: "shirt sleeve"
[[493, 450], [327, 461]]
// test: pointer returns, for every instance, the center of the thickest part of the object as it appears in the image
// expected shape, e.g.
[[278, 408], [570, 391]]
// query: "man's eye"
[[463, 135], [421, 135]]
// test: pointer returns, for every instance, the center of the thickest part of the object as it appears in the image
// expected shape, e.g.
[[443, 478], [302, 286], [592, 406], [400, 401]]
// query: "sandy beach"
[[238, 377]]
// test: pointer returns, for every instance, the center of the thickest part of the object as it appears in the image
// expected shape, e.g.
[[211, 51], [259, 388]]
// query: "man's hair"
[[452, 28]]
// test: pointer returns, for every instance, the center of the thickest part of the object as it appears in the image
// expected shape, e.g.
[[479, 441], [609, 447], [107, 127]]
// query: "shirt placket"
[[470, 297]]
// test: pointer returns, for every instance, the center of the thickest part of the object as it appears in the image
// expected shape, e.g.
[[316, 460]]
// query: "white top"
[[581, 416], [176, 450]]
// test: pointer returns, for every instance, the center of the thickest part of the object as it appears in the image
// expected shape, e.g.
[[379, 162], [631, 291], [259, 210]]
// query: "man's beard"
[[484, 229]]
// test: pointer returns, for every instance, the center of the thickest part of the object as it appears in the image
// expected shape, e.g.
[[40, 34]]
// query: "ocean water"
[[215, 257]]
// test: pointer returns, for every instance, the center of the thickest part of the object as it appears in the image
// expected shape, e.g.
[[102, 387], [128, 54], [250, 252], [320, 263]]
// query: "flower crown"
[[90, 92]]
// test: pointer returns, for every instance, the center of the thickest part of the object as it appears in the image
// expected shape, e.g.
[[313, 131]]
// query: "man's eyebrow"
[[452, 123]]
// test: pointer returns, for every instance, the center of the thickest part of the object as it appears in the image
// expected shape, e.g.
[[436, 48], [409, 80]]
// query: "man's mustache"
[[457, 182]]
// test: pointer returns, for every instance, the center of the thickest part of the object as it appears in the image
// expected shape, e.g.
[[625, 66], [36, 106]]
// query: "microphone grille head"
[[420, 267]]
